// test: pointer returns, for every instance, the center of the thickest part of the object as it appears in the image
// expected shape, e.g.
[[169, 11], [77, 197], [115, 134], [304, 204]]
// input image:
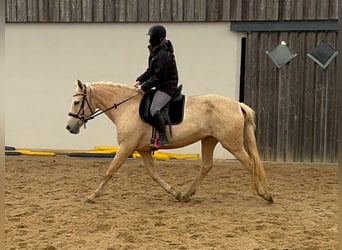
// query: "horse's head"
[[81, 109]]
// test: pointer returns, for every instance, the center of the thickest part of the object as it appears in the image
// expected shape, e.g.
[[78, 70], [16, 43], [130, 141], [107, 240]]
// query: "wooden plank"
[[272, 12], [11, 10], [32, 11], [322, 9], [263, 98], [297, 10], [336, 145], [250, 54], [120, 10], [236, 9], [333, 39], [165, 10], [297, 88], [310, 9], [154, 11], [76, 10], [320, 107], [189, 10], [132, 11], [300, 79], [109, 10], [261, 10], [43, 6], [331, 98], [65, 10], [333, 9], [295, 95], [87, 10], [250, 9], [275, 87], [272, 89], [290, 129], [209, 11], [225, 7], [308, 99], [177, 10], [253, 60], [54, 11], [21, 11], [247, 73], [282, 109], [244, 9], [99, 11], [286, 10], [251, 73], [335, 135], [143, 10], [200, 10], [330, 113]]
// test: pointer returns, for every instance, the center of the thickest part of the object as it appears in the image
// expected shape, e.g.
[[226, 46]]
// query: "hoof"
[[178, 196], [267, 197], [89, 201], [185, 198]]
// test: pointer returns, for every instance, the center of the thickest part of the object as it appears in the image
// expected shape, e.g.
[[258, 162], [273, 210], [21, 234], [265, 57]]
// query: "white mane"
[[114, 84]]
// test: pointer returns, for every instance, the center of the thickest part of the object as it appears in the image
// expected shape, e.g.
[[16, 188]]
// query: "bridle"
[[94, 113], [81, 112]]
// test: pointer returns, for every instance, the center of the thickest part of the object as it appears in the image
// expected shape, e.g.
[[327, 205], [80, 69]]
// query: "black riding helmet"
[[157, 34]]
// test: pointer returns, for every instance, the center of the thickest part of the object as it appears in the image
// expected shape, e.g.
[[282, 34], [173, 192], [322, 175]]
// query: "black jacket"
[[162, 70]]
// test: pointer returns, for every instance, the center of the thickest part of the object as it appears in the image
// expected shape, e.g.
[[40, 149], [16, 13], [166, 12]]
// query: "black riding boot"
[[160, 126]]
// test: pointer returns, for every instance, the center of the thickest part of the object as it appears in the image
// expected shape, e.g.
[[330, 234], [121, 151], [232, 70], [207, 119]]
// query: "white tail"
[[251, 146]]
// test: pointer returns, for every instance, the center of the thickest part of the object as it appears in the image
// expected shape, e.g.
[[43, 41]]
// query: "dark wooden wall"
[[296, 105], [168, 10]]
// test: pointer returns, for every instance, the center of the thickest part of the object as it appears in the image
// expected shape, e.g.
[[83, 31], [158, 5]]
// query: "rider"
[[162, 74]]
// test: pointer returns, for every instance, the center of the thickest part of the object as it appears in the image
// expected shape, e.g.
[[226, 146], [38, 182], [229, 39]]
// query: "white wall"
[[43, 60]]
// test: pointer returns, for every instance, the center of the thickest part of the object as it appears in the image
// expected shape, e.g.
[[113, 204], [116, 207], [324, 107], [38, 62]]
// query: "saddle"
[[173, 112]]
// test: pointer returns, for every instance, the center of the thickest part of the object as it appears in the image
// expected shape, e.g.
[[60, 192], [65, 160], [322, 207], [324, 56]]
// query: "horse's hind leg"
[[247, 161], [208, 146], [117, 162], [149, 164]]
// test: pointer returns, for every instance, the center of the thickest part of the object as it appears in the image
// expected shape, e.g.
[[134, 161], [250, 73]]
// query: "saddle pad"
[[174, 109]]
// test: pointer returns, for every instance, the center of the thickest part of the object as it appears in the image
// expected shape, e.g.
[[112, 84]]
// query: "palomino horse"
[[209, 118]]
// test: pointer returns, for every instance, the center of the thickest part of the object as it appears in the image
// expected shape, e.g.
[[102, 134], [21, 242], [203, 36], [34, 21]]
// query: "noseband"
[[81, 112]]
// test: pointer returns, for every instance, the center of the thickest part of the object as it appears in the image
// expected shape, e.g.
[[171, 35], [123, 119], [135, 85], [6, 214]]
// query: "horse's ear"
[[79, 84]]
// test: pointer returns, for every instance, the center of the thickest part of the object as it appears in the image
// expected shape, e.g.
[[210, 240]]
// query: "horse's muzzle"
[[73, 130]]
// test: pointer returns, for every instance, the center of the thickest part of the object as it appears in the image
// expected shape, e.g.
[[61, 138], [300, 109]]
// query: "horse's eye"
[[76, 102]]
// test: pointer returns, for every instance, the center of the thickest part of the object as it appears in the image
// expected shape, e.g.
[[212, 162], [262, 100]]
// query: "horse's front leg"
[[149, 164], [120, 157]]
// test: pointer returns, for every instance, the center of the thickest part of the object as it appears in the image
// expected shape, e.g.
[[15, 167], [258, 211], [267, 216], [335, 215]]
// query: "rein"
[[96, 112], [99, 112]]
